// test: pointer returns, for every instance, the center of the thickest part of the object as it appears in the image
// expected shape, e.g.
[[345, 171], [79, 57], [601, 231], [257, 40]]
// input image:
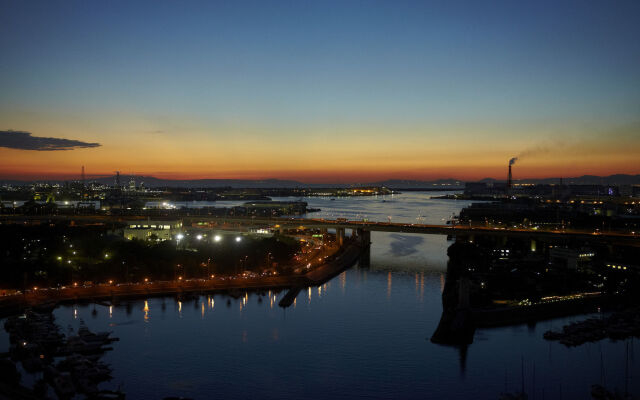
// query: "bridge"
[[340, 225], [361, 226]]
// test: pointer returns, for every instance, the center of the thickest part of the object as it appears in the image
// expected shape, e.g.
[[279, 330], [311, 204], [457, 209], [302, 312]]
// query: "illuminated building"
[[148, 230]]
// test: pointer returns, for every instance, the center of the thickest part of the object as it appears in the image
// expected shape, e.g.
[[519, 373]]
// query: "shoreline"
[[346, 258], [515, 315]]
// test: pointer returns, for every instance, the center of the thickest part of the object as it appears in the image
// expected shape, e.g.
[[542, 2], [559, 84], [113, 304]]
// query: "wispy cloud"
[[24, 141]]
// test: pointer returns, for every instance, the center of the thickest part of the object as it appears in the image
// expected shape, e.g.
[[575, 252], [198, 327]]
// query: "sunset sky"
[[319, 91]]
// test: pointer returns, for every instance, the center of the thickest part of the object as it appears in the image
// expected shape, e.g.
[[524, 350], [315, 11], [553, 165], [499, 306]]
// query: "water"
[[365, 334], [409, 207]]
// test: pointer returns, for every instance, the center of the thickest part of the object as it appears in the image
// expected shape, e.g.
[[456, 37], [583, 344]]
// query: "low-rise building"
[[152, 230]]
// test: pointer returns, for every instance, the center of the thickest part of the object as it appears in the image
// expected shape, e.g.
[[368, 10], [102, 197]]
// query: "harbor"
[[69, 364], [230, 336]]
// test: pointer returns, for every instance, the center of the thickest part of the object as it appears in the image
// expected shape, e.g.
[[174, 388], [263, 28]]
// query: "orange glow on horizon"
[[343, 156], [363, 175]]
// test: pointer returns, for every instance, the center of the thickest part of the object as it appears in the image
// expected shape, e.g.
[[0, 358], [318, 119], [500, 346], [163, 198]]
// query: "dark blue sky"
[[261, 69]]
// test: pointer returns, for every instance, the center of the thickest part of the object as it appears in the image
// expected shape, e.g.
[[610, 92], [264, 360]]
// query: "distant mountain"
[[153, 182], [150, 181], [13, 182], [487, 180], [413, 184], [450, 183]]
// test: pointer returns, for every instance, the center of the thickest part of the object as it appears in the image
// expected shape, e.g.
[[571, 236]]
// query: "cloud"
[[24, 141]]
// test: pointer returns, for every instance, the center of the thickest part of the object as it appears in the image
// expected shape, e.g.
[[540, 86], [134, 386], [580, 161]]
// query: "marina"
[[68, 364]]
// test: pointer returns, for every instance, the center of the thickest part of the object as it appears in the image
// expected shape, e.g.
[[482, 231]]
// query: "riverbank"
[[345, 258], [458, 325], [502, 316]]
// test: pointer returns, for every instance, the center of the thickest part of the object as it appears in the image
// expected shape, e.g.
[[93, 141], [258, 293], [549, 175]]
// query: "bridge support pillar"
[[365, 258], [340, 236], [364, 236]]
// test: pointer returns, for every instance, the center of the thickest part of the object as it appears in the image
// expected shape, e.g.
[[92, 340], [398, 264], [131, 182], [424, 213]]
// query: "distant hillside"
[[150, 181], [413, 184], [450, 183]]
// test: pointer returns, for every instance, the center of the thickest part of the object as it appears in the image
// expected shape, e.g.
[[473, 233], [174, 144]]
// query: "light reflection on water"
[[366, 341], [364, 334]]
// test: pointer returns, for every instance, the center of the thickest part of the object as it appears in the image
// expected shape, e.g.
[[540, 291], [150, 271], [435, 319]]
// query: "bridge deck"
[[316, 223]]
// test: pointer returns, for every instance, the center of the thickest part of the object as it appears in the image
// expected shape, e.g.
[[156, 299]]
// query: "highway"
[[319, 223], [284, 223]]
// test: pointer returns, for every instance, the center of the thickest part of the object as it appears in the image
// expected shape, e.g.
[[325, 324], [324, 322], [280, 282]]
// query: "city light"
[[503, 137]]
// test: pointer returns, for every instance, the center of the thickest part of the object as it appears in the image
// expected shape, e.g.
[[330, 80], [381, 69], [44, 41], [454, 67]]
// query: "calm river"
[[365, 334]]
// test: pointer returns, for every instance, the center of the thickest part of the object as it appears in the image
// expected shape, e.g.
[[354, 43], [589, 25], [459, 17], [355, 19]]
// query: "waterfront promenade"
[[345, 258]]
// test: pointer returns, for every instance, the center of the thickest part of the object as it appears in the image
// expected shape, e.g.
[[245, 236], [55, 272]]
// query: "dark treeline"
[[61, 255]]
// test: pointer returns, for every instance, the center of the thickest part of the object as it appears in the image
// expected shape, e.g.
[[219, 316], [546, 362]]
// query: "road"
[[317, 275], [627, 237]]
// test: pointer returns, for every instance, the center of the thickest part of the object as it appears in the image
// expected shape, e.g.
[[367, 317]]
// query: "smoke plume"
[[532, 151]]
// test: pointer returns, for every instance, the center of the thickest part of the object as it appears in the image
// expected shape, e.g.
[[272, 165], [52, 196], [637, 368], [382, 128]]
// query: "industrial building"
[[147, 230]]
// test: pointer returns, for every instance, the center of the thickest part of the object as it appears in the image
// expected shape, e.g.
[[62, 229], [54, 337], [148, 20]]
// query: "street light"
[[217, 238], [176, 271]]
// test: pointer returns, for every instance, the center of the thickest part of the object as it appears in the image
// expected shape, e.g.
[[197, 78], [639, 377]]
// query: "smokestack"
[[509, 181]]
